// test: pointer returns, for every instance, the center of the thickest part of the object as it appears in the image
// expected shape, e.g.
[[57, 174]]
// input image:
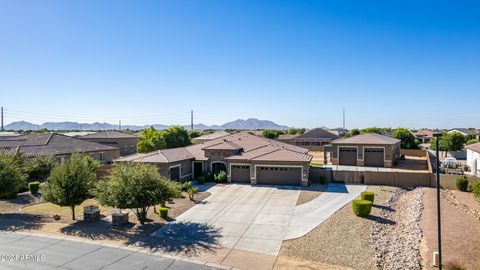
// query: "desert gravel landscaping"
[[343, 239], [310, 193]]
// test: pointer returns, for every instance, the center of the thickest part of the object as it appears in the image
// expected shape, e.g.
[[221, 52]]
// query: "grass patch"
[[65, 212], [315, 164]]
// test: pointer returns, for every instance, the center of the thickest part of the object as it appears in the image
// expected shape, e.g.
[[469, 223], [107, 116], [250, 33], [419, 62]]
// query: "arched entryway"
[[218, 166]]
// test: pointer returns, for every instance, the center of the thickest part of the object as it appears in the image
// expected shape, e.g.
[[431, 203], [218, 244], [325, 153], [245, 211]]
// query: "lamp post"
[[439, 224]]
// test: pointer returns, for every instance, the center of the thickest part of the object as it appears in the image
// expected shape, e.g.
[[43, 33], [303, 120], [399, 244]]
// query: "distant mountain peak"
[[247, 124]]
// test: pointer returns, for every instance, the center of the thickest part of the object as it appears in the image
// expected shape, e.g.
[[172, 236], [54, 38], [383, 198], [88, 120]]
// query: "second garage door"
[[279, 176], [374, 157], [240, 173], [348, 156]]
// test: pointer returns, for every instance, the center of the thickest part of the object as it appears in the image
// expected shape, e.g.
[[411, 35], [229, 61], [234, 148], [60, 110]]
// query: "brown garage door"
[[279, 176], [240, 173], [374, 157], [348, 156]]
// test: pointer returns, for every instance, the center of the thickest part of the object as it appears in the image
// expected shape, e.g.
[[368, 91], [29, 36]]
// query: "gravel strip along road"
[[396, 234]]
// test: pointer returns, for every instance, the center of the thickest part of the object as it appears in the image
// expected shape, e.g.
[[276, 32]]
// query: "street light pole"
[[439, 223]]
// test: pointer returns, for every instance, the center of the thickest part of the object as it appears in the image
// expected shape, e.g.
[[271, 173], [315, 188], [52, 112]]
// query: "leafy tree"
[[373, 130], [472, 141], [271, 133], [69, 184], [40, 167], [407, 139], [176, 137], [194, 134], [453, 141], [295, 131], [151, 140], [354, 132], [135, 186], [11, 176]]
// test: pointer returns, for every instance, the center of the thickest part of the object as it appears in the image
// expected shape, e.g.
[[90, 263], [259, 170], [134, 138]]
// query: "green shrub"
[[209, 177], [361, 208], [201, 180], [163, 203], [368, 196], [34, 187], [191, 192], [475, 186], [163, 212], [186, 185], [221, 177], [461, 183]]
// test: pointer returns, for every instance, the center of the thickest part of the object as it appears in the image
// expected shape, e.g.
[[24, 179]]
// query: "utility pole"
[[343, 118], [191, 120], [2, 118], [119, 125]]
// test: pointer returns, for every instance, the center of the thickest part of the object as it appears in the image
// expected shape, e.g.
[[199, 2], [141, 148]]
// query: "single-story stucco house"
[[244, 157], [313, 139], [473, 158], [57, 145], [371, 150], [127, 143]]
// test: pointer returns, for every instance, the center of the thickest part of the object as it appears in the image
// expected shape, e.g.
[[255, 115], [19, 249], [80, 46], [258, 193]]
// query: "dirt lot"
[[341, 240], [460, 230]]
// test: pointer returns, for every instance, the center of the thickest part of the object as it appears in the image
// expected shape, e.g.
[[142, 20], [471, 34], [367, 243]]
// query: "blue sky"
[[298, 63]]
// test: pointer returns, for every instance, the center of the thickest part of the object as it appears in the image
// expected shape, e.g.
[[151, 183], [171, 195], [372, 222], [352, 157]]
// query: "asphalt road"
[[18, 251]]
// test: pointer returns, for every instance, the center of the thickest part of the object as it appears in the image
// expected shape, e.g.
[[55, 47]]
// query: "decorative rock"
[[91, 213], [119, 218]]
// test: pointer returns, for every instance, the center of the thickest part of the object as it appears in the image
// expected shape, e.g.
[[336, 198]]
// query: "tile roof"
[[367, 138], [318, 133], [464, 130], [109, 134], [212, 136], [423, 133], [159, 156], [251, 147], [474, 147], [49, 143]]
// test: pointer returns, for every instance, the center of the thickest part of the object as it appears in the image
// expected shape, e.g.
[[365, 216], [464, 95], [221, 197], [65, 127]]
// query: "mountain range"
[[248, 124]]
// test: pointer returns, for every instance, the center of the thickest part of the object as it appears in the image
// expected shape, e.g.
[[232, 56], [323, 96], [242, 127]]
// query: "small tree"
[[176, 136], [135, 186], [40, 167], [271, 133], [11, 176], [150, 140], [407, 139], [70, 183]]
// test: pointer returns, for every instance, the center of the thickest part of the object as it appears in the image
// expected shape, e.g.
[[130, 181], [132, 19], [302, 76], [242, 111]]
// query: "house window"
[[102, 156]]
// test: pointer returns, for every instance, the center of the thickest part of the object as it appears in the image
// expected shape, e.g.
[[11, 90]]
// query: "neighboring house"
[[313, 139], [209, 137], [473, 158], [423, 135], [370, 149], [58, 145], [464, 131], [244, 157], [8, 134], [127, 143]]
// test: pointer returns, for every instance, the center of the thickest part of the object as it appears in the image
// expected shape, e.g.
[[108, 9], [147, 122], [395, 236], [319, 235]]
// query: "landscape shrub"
[[475, 186], [163, 212], [34, 187], [209, 177], [221, 177], [361, 208], [163, 203], [186, 185], [461, 183], [191, 192], [201, 180], [367, 195]]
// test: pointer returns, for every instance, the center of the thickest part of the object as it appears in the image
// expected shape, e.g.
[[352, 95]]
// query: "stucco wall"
[[473, 161], [127, 146]]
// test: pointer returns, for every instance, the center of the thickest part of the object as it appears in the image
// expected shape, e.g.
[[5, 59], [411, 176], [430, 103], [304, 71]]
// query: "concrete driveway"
[[250, 218], [52, 253]]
